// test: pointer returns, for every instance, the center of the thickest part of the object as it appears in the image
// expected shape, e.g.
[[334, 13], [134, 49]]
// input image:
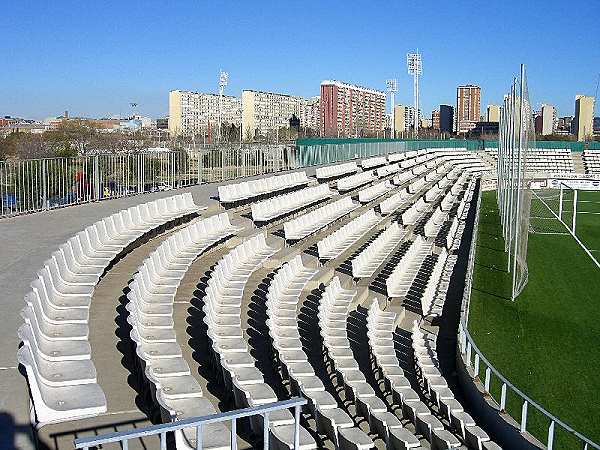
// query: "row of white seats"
[[336, 243], [333, 310], [387, 170], [151, 296], [434, 295], [336, 170], [306, 224], [231, 193], [394, 202], [401, 278], [373, 162], [365, 264], [435, 222], [414, 212], [222, 308], [427, 363], [354, 181], [56, 353], [380, 332], [274, 207], [372, 192], [282, 308]]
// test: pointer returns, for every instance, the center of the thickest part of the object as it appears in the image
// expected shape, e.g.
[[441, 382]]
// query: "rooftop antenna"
[[392, 87], [415, 68]]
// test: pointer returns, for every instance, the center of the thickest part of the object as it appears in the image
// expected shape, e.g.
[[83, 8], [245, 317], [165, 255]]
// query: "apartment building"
[[468, 108], [493, 113], [435, 119], [350, 110], [310, 114], [584, 117], [548, 119], [197, 112], [446, 118], [263, 113], [399, 119]]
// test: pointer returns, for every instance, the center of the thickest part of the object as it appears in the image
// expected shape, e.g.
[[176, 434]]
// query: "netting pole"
[[519, 176], [574, 209]]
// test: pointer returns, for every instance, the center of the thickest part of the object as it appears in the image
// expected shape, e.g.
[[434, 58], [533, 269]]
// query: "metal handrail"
[[123, 437], [467, 347]]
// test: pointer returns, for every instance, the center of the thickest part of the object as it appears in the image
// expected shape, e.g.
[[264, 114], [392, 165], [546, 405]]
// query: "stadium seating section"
[[335, 260]]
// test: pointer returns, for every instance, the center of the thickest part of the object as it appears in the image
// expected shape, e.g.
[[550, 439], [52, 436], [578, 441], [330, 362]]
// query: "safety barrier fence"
[[124, 437], [502, 391]]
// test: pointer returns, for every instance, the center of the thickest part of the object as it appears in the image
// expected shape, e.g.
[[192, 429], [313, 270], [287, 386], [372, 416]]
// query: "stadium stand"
[[400, 236], [591, 161]]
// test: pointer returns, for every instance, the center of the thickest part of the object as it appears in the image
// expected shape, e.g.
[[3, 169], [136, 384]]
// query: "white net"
[[516, 137]]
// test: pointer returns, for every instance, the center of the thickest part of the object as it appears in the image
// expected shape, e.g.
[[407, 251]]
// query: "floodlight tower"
[[223, 79], [392, 87], [415, 68]]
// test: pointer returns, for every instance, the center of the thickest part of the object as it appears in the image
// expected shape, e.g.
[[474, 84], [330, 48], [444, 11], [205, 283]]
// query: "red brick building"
[[349, 110]]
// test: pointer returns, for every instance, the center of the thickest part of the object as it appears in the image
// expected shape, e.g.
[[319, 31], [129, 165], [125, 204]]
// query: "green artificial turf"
[[547, 342]]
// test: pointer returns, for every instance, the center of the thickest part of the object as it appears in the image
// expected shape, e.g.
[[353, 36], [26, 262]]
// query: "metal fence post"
[[96, 172]]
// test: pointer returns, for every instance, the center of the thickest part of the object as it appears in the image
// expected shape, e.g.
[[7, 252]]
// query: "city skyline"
[[66, 60]]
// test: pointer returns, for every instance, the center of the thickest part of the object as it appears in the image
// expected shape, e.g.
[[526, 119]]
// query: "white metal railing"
[[123, 437], [474, 358]]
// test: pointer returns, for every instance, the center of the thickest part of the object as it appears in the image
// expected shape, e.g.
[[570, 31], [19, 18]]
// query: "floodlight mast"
[[415, 68], [392, 87], [223, 80]]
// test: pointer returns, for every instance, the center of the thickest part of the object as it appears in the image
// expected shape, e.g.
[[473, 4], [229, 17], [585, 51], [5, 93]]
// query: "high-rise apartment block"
[[399, 119], [310, 114], [584, 117], [196, 112], [435, 119], [350, 110], [409, 117], [446, 118], [548, 119], [493, 113], [264, 113], [468, 107]]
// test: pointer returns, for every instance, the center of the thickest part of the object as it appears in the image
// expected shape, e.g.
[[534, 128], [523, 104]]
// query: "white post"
[[574, 211], [560, 203]]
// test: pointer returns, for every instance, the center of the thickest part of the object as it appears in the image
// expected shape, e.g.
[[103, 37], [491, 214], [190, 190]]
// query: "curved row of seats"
[[427, 363], [365, 264], [56, 352], [259, 188], [354, 181], [283, 298], [222, 308], [372, 192], [272, 208], [387, 170], [336, 243], [150, 306], [306, 224], [337, 170], [371, 163], [405, 271], [381, 327]]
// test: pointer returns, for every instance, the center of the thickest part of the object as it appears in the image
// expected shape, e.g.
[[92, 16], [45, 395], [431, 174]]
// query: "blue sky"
[[95, 57]]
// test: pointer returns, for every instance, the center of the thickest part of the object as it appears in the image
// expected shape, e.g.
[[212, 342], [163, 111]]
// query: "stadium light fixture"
[[392, 87], [415, 68], [223, 80]]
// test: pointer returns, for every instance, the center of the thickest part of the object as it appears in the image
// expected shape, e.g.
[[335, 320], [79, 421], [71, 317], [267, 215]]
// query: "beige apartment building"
[[468, 108], [197, 112], [493, 113], [399, 119], [584, 117], [548, 119], [263, 113]]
